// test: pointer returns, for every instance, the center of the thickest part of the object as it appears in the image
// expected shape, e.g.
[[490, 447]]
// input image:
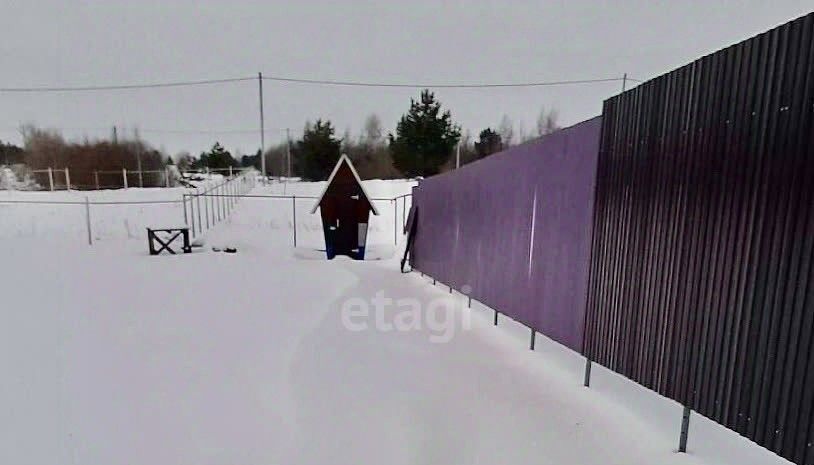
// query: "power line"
[[125, 86], [306, 81], [330, 82], [156, 131], [210, 131]]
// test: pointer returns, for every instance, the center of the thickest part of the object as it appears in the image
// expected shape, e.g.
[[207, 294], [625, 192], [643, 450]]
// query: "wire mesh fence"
[[76, 216], [62, 179], [206, 209], [105, 215]]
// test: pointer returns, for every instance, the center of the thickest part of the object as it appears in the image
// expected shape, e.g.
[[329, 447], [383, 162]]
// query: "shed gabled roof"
[[344, 159]]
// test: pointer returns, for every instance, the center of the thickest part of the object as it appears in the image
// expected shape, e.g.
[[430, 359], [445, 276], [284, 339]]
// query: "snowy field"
[[110, 356], [60, 216]]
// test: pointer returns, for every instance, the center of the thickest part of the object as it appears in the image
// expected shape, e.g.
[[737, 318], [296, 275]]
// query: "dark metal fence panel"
[[515, 229], [701, 283]]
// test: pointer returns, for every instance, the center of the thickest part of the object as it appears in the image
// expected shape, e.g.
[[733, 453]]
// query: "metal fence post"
[[224, 200], [51, 178], [96, 177], [207, 201], [495, 318], [184, 204], [198, 209], [124, 177], [227, 199], [67, 179], [215, 205], [192, 214], [403, 212], [219, 201], [294, 211], [87, 220], [395, 222], [533, 334], [587, 381], [685, 430], [140, 178]]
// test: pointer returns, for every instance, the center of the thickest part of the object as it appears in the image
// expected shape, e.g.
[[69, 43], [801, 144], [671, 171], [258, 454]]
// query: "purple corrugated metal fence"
[[515, 228]]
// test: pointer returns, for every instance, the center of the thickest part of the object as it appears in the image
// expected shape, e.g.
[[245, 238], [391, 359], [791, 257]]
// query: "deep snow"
[[111, 356]]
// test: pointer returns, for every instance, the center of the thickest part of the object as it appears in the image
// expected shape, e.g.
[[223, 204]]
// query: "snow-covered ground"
[[110, 356]]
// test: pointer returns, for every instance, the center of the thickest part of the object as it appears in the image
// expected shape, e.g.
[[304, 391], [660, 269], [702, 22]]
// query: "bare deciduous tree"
[[547, 121], [373, 132], [506, 131]]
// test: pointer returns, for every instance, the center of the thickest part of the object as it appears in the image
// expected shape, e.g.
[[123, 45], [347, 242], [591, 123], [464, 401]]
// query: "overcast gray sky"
[[61, 43]]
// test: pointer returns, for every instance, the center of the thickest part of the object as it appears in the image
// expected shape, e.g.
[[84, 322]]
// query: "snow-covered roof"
[[344, 158]]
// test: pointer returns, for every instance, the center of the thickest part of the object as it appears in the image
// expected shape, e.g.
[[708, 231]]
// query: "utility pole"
[[288, 150], [138, 158], [262, 128]]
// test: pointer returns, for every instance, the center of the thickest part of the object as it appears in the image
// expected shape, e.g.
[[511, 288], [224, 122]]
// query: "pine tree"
[[318, 151], [489, 142], [425, 138], [217, 158], [11, 154]]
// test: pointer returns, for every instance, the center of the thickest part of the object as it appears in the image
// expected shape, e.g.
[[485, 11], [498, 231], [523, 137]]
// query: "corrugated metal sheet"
[[701, 284], [515, 228]]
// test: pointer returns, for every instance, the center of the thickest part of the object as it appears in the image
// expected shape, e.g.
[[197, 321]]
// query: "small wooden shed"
[[345, 208]]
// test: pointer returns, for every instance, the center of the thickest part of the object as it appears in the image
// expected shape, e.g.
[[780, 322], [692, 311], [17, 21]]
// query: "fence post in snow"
[[140, 178], [96, 177], [51, 178], [495, 317], [395, 222], [294, 211], [87, 220], [685, 430], [219, 201], [167, 176], [230, 172], [225, 200], [587, 380], [225, 192], [124, 177], [184, 204], [67, 179], [192, 214], [198, 210], [207, 201], [531, 343]]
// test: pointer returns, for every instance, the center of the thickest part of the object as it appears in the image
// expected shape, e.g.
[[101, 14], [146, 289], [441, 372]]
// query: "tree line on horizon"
[[424, 143]]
